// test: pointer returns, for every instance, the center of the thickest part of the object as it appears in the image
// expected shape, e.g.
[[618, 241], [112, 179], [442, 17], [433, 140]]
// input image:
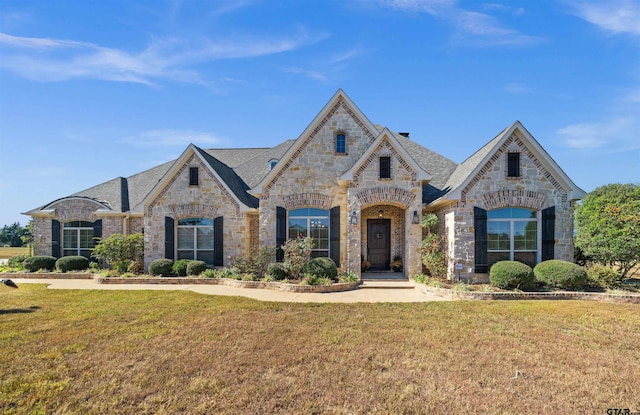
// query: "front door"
[[379, 243]]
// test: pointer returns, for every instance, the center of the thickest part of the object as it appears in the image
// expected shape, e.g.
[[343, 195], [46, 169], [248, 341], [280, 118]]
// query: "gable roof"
[[469, 168], [340, 95], [385, 134]]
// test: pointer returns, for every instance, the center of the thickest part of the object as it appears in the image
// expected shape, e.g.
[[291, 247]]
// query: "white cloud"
[[49, 59], [309, 73], [615, 133], [616, 16], [425, 6], [178, 138]]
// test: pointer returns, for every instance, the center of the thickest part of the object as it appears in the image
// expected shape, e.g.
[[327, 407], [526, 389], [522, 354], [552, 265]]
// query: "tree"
[[12, 235], [432, 249], [608, 226]]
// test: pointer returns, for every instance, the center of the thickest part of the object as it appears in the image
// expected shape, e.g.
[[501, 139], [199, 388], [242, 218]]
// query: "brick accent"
[[385, 195], [513, 198], [314, 200], [191, 210], [385, 149]]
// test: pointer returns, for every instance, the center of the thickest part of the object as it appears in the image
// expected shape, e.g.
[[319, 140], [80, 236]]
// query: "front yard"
[[179, 352]]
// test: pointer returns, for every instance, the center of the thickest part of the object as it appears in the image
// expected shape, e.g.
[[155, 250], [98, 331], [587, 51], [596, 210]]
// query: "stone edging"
[[346, 286], [556, 295], [48, 275]]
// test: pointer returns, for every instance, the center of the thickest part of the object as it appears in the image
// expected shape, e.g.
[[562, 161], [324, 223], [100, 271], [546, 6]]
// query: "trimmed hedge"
[[322, 267], [72, 263], [604, 277], [560, 274], [162, 267], [35, 263], [180, 267], [196, 267], [277, 271], [510, 275]]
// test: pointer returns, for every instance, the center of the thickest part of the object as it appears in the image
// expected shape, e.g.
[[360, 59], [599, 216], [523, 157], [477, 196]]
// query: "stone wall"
[[178, 200]]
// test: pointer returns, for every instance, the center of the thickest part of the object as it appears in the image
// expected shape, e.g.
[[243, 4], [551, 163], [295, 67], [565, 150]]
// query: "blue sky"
[[92, 90]]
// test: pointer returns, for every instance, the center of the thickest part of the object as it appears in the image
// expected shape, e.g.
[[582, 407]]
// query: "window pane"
[[185, 238], [385, 167], [515, 213], [318, 212], [206, 256], [85, 253], [498, 236], [185, 254], [69, 238], [494, 257], [528, 258], [205, 237], [341, 144], [523, 213], [525, 235], [297, 227], [86, 238]]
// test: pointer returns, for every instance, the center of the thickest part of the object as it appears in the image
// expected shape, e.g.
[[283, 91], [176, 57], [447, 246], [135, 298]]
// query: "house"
[[357, 188]]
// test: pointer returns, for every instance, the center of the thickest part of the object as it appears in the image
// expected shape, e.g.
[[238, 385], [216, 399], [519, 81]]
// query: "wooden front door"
[[379, 243]]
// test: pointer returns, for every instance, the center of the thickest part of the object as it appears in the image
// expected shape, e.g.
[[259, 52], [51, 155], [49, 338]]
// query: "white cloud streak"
[[614, 133], [178, 138], [616, 16], [48, 59]]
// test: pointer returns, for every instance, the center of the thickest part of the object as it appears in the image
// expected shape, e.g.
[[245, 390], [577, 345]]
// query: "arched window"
[[77, 238], [310, 222], [341, 144], [512, 234], [195, 239], [272, 163]]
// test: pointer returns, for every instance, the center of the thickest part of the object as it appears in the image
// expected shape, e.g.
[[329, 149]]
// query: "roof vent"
[[404, 134]]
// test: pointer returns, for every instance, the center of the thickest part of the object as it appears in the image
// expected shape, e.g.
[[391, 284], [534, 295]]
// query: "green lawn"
[[8, 252], [136, 352]]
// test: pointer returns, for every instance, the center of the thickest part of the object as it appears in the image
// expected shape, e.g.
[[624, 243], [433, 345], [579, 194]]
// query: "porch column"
[[354, 236], [413, 240]]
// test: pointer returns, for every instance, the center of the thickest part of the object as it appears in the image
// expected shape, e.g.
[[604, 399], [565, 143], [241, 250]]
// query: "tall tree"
[[12, 234], [608, 226]]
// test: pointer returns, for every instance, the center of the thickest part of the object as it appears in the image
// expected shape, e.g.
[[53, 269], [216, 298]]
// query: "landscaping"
[[94, 352]]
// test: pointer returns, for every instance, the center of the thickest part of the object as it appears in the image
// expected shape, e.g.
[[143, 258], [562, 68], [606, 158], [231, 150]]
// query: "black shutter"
[[480, 226], [334, 234], [169, 238], [281, 231], [218, 241], [55, 238], [548, 232], [97, 231]]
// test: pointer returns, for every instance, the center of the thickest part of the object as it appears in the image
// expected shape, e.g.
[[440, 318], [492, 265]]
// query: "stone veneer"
[[492, 189], [209, 199]]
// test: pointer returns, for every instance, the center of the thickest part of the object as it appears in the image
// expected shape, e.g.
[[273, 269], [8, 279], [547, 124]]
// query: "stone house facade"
[[357, 188]]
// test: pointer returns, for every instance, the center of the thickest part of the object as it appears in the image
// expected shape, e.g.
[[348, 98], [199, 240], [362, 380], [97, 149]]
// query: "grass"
[[125, 352], [7, 252]]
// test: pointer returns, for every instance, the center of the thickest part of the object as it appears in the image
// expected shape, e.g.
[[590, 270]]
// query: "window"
[[341, 144], [385, 167], [193, 176], [77, 239], [512, 235], [195, 239], [310, 222], [272, 163], [513, 164]]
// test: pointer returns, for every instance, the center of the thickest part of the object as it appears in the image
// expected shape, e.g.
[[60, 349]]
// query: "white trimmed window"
[[77, 238], [195, 239], [512, 235], [310, 222], [341, 143]]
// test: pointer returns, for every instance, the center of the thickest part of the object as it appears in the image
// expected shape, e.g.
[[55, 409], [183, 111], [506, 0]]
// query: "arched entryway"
[[382, 232]]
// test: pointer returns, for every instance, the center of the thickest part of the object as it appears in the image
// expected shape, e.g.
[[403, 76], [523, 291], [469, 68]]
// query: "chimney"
[[404, 134]]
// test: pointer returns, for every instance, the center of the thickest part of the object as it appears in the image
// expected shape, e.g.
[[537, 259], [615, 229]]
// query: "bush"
[[180, 267], [565, 275], [277, 271], [210, 273], [72, 263], [322, 267], [510, 275], [604, 277], [310, 279], [256, 262], [162, 267], [119, 251], [35, 263], [347, 276], [17, 261], [196, 267]]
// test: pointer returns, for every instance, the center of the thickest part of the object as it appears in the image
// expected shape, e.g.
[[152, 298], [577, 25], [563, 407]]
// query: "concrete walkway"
[[368, 292]]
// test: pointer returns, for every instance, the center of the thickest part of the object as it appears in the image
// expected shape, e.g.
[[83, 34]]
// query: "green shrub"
[[347, 276], [196, 267], [256, 262], [311, 279], [603, 276], [72, 263], [210, 273], [17, 261], [162, 267], [180, 267], [322, 267], [277, 271], [36, 263], [510, 275], [565, 275]]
